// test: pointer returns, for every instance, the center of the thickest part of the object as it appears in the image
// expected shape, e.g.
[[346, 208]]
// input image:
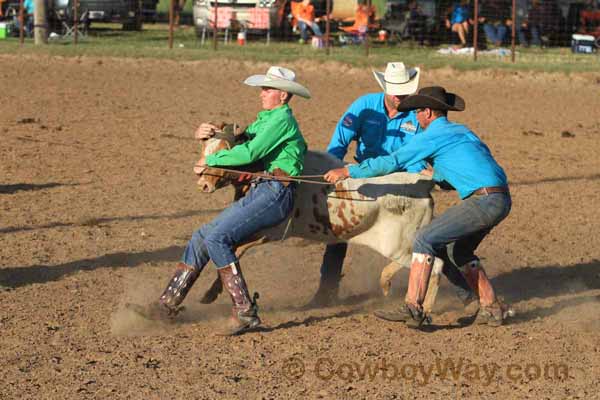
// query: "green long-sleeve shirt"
[[274, 138]]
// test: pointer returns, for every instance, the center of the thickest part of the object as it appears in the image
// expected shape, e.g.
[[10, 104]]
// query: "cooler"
[[585, 44]]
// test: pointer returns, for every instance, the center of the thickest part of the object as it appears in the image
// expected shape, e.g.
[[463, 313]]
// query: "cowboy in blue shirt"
[[379, 128], [462, 161]]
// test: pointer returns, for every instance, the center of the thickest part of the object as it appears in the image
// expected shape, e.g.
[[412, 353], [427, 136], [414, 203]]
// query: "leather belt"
[[279, 173], [484, 191]]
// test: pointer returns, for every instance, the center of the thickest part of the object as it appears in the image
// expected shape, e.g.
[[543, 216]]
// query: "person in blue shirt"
[[458, 20], [460, 160], [379, 128], [28, 10]]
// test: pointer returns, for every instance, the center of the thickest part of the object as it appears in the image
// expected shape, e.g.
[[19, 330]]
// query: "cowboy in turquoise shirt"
[[462, 161], [379, 128], [377, 134], [457, 155]]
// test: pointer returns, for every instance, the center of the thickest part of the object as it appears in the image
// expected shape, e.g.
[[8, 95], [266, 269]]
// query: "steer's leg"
[[388, 272], [217, 286]]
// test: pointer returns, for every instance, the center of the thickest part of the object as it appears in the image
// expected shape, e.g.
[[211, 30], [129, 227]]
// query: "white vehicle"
[[242, 11]]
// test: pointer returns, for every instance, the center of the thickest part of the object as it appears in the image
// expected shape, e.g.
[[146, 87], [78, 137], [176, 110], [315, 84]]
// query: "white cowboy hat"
[[279, 78], [397, 80]]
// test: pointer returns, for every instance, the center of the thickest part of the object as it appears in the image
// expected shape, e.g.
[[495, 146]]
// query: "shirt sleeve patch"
[[348, 120]]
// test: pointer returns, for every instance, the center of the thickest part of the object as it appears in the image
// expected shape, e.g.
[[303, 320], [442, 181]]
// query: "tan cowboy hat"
[[434, 97], [279, 78], [397, 80]]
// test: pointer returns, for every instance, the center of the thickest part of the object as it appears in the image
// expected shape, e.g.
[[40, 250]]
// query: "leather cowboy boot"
[[245, 310], [168, 305], [491, 310], [412, 311]]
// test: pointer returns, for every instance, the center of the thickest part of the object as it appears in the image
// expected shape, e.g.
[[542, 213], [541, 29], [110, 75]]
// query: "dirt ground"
[[98, 199]]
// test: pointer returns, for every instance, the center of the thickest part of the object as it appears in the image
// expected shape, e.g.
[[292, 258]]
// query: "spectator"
[[495, 15], [178, 6], [362, 17], [458, 20], [410, 22], [543, 19], [306, 19], [590, 18], [28, 8], [416, 21]]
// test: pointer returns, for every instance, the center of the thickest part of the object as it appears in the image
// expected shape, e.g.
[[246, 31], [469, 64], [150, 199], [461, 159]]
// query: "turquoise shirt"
[[458, 157], [29, 6], [376, 134], [275, 139]]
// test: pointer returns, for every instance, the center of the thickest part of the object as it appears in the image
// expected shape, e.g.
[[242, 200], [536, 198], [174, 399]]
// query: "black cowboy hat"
[[434, 97]]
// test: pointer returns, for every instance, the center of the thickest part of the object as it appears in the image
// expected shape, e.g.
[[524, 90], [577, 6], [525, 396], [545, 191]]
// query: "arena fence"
[[456, 26]]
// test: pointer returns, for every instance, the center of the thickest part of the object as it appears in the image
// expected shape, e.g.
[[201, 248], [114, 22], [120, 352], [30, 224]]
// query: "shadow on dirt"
[[518, 285], [20, 276], [28, 187], [543, 312], [542, 282], [307, 321], [547, 282], [107, 220]]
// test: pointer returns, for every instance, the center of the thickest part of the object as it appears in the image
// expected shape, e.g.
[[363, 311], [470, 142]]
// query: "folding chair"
[[224, 17], [68, 28], [260, 18]]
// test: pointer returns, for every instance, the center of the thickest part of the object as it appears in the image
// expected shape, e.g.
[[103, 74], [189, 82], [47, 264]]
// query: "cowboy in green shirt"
[[274, 140]]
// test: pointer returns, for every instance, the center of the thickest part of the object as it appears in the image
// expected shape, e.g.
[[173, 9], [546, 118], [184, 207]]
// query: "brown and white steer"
[[382, 213]]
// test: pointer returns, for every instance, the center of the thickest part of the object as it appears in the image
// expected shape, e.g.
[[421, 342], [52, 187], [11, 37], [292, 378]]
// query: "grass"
[[107, 40]]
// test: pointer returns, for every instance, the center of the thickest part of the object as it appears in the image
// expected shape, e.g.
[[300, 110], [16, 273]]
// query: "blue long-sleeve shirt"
[[29, 6], [459, 14], [457, 155], [367, 122]]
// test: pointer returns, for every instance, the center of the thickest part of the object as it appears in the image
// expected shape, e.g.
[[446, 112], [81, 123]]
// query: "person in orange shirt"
[[361, 20], [306, 19]]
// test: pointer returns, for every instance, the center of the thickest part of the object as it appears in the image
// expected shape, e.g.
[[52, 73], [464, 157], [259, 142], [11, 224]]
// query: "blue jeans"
[[535, 33], [28, 29], [266, 204], [465, 225], [495, 33], [303, 29]]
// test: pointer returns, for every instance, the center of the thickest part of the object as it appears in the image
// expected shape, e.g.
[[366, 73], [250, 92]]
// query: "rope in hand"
[[299, 178]]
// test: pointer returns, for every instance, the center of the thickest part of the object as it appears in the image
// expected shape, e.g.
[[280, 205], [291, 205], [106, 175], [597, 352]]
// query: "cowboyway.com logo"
[[328, 369]]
